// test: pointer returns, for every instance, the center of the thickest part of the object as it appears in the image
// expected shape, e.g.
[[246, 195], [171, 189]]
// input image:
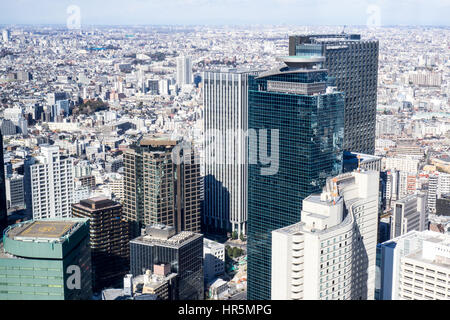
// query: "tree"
[[234, 235], [241, 236]]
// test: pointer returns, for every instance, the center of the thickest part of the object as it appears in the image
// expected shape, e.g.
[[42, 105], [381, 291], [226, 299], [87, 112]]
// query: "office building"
[[353, 62], [47, 259], [183, 252], [109, 236], [51, 184], [213, 259], [15, 195], [408, 214], [414, 266], [309, 117], [330, 254], [6, 35], [226, 108], [159, 190], [184, 70], [443, 205], [3, 202]]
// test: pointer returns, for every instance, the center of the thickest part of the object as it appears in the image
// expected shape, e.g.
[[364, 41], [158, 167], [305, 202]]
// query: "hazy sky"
[[213, 12]]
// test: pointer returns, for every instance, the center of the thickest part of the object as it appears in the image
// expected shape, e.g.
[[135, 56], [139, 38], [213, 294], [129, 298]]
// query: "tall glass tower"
[[3, 207], [353, 62], [297, 100]]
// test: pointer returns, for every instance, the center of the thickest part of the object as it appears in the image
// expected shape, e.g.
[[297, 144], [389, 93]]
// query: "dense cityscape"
[[225, 163]]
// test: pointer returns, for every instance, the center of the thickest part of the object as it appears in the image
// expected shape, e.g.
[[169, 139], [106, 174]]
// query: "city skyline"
[[224, 150], [233, 12]]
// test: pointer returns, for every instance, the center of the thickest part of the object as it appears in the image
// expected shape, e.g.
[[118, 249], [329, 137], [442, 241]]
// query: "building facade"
[[159, 190], [226, 116], [295, 103], [414, 266], [330, 254], [184, 70], [52, 184], [182, 251], [353, 63], [48, 259], [109, 236]]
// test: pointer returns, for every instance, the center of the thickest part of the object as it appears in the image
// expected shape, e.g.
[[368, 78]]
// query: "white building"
[[417, 266], [213, 259], [438, 184], [330, 254], [6, 35], [184, 70], [402, 164], [225, 150], [52, 184]]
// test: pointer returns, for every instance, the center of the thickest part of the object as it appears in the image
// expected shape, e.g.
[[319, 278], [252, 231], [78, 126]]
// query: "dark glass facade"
[[3, 207], [186, 260], [310, 137], [354, 64]]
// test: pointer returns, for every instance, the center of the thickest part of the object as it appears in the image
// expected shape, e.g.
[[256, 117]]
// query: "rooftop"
[[42, 229]]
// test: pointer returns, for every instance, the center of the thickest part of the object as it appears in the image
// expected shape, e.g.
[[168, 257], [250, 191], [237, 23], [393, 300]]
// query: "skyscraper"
[[308, 115], [109, 236], [49, 259], [330, 254], [6, 35], [184, 70], [157, 190], [226, 107], [51, 184], [3, 205], [353, 62]]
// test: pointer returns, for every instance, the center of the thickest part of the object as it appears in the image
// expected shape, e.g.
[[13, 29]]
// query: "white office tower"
[[163, 87], [225, 125], [52, 184], [392, 192], [184, 70], [330, 254], [408, 214], [6, 36], [416, 267]]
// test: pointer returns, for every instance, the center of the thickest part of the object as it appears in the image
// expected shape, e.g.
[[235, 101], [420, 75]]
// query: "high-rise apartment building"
[[49, 259], [353, 63], [158, 190], [109, 236], [302, 120], [226, 124], [414, 266], [51, 184], [330, 254], [182, 252], [184, 70]]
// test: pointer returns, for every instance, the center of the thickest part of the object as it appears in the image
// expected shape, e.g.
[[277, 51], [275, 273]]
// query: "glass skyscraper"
[[3, 207], [353, 62], [298, 101]]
